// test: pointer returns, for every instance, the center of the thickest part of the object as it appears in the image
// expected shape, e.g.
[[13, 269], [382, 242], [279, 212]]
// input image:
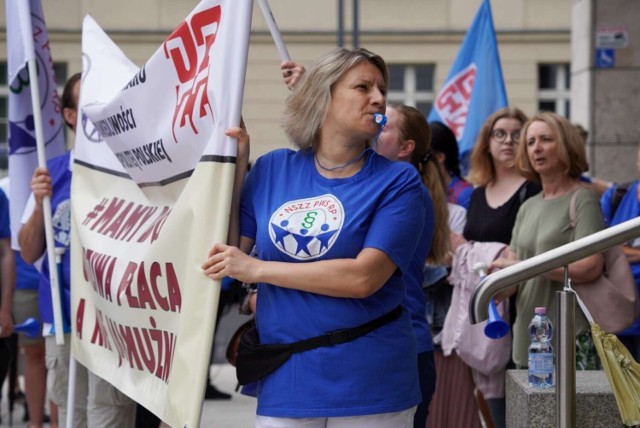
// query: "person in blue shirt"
[[97, 402], [619, 204], [407, 137], [335, 227]]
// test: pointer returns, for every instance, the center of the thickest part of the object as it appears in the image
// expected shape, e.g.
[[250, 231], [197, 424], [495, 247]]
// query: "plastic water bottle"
[[540, 351]]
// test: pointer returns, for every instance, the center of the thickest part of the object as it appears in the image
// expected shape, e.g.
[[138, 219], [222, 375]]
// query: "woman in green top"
[[552, 154]]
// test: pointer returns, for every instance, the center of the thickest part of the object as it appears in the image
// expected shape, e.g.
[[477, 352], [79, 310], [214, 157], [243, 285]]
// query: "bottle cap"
[[541, 310]]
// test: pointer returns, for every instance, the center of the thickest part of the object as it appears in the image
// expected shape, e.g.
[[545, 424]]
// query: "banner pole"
[[25, 20], [275, 32]]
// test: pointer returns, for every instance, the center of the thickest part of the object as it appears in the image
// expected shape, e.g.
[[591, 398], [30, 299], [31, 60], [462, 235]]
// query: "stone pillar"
[[605, 86]]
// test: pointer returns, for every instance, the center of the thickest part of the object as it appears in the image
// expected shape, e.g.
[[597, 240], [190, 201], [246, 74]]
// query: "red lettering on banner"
[[132, 352], [453, 101], [107, 215], [100, 335], [80, 318], [139, 216], [98, 271], [145, 293], [117, 339], [146, 349], [154, 230], [188, 48], [125, 284], [124, 221], [114, 226]]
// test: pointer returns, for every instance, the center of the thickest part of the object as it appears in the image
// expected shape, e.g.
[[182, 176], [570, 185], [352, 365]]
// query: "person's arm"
[[31, 236], [355, 278], [507, 258], [585, 270], [242, 162], [291, 73], [7, 283], [632, 253]]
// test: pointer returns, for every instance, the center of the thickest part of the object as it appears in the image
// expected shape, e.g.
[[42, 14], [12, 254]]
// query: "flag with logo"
[[23, 158], [152, 184], [474, 88]]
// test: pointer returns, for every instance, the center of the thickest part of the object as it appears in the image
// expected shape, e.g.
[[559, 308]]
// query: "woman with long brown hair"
[[407, 137]]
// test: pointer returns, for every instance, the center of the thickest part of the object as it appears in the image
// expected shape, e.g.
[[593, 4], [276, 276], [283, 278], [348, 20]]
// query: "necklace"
[[352, 161]]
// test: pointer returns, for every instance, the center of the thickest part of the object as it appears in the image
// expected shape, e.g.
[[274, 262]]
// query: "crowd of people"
[[390, 217]]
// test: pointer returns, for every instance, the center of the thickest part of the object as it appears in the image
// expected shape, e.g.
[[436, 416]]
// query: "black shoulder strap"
[[618, 194], [523, 192]]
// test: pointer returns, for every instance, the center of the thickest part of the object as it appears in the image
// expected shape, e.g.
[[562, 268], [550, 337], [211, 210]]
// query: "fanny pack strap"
[[345, 335]]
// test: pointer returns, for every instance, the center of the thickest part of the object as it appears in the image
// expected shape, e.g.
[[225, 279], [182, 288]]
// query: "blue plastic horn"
[[30, 327], [496, 327]]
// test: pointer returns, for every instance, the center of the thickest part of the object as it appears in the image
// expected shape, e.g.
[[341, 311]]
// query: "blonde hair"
[[571, 152], [306, 107], [413, 126], [482, 170]]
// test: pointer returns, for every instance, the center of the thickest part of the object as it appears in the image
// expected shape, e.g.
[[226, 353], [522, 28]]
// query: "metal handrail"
[[537, 265], [559, 257]]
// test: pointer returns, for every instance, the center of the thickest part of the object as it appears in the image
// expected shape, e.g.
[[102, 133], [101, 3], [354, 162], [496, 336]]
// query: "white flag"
[[22, 140], [151, 192]]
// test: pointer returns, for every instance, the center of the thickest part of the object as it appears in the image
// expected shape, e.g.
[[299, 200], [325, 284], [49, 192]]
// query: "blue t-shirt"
[[295, 215], [5, 228], [416, 302], [629, 208], [27, 276], [61, 220], [460, 192]]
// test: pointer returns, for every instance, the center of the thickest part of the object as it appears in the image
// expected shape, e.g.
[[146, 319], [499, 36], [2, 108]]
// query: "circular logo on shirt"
[[306, 229], [61, 222]]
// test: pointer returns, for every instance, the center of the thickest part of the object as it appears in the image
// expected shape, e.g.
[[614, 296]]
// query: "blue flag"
[[22, 140], [474, 88]]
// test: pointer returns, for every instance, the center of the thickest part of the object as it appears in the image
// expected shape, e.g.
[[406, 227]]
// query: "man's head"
[[70, 99]]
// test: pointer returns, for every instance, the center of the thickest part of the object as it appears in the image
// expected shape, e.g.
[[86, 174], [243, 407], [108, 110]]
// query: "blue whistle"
[[380, 119]]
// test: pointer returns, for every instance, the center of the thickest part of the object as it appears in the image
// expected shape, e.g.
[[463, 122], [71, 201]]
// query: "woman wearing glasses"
[[501, 189]]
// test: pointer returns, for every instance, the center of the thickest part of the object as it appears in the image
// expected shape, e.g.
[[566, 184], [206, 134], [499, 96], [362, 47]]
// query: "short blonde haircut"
[[571, 152], [306, 107], [482, 170]]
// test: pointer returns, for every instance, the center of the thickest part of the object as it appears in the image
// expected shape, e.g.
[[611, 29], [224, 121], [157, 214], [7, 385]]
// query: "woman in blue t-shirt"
[[407, 138], [335, 226]]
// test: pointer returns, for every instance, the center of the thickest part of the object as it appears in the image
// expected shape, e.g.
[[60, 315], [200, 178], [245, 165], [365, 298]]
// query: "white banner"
[[151, 192]]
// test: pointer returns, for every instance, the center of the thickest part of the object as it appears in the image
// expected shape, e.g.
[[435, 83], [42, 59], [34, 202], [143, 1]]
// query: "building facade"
[[418, 38]]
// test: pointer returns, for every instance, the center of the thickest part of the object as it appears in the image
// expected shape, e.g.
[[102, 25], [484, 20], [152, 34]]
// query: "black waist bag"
[[255, 361]]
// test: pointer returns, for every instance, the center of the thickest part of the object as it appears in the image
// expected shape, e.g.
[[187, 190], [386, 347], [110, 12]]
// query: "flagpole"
[[26, 26], [275, 32]]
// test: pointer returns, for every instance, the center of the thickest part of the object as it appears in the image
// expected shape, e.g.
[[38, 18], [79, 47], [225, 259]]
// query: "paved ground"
[[239, 412]]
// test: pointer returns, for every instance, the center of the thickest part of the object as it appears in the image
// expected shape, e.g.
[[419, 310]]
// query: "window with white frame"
[[412, 84], [60, 69], [554, 88]]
